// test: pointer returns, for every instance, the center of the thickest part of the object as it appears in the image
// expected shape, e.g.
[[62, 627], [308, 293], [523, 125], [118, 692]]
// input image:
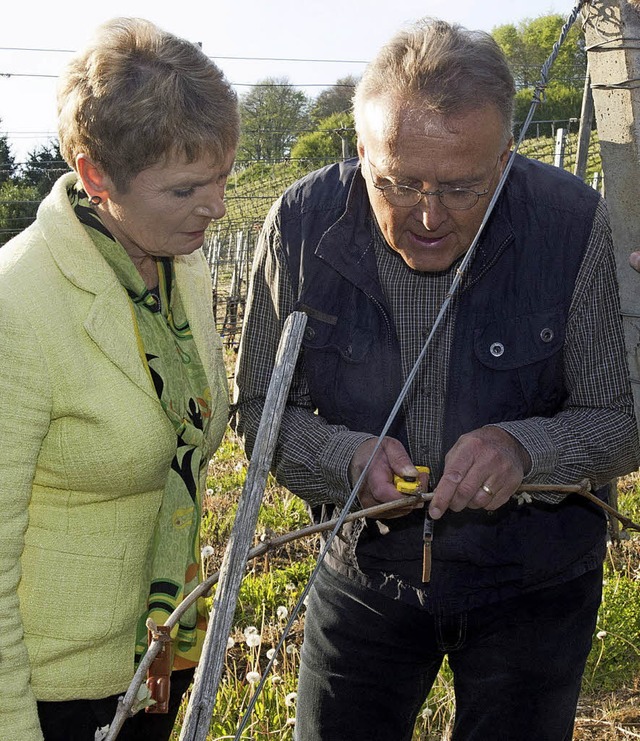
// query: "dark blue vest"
[[506, 364]]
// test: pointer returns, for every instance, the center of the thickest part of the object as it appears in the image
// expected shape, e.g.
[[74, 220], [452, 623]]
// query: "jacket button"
[[546, 335], [309, 333], [497, 349]]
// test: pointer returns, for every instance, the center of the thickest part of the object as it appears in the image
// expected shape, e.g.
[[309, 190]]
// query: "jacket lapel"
[[109, 322]]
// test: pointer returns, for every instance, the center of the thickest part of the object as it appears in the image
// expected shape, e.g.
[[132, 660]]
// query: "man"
[[524, 381]]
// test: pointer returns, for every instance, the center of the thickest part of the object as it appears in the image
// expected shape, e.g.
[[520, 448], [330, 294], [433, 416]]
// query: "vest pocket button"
[[497, 349], [546, 335]]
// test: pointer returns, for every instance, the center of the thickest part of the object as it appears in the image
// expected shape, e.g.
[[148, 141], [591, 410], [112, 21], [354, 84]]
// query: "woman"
[[113, 394]]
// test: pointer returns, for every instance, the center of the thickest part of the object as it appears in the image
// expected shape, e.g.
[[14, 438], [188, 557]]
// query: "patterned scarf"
[[169, 353]]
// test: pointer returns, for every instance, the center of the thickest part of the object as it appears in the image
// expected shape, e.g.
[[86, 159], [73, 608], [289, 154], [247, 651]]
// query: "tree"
[[335, 99], [273, 113], [527, 48], [528, 45], [43, 167], [335, 134], [7, 160], [18, 206]]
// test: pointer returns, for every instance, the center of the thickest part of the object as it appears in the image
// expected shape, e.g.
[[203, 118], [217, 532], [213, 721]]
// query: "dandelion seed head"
[[282, 612], [230, 642], [426, 713], [209, 492], [253, 640], [290, 648], [253, 678], [206, 551], [276, 679], [601, 634], [290, 699], [271, 653], [291, 722]]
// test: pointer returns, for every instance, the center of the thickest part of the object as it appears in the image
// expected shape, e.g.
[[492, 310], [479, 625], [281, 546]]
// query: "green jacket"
[[85, 451]]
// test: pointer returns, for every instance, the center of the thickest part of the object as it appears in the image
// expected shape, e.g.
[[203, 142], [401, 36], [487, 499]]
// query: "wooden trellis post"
[[611, 30], [207, 678]]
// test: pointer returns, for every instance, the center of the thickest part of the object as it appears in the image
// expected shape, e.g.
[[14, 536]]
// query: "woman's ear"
[[95, 181]]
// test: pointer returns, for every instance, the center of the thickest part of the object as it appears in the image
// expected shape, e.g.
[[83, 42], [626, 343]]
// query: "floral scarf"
[[169, 353]]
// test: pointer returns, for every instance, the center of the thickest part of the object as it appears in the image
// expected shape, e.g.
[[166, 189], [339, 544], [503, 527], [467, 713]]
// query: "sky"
[[311, 42]]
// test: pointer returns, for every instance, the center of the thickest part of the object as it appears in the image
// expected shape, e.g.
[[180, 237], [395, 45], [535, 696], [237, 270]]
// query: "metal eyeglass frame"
[[420, 194]]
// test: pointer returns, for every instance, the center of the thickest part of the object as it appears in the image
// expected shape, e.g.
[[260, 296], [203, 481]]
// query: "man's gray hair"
[[447, 68]]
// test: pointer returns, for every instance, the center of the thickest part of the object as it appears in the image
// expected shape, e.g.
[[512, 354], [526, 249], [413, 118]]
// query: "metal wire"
[[537, 99]]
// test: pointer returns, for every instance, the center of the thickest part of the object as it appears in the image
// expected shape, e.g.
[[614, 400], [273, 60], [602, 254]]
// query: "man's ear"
[[95, 181], [505, 154]]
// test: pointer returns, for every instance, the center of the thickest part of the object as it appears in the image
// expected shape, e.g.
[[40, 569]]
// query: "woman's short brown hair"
[[137, 94]]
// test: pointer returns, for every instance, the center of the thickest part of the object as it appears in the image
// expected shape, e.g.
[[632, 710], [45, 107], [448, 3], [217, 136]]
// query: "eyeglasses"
[[404, 196]]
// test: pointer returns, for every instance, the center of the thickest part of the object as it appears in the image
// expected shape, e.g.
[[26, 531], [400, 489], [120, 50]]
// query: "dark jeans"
[[368, 663], [77, 720]]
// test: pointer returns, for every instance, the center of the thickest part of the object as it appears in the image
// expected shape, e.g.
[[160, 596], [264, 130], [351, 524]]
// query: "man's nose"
[[431, 212]]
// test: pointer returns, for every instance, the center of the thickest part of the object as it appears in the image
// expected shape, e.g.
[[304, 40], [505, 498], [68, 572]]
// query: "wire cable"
[[537, 99]]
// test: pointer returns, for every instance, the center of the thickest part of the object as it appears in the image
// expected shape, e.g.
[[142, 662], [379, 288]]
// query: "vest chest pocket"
[[343, 370], [521, 357]]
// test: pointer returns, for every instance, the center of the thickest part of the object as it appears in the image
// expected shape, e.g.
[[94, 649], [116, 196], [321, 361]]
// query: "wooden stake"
[[209, 671]]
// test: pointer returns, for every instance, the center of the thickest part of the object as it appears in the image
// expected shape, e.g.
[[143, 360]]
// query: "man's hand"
[[391, 458], [481, 471]]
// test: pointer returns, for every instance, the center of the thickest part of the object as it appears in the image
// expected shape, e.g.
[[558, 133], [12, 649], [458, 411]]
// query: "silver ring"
[[484, 487]]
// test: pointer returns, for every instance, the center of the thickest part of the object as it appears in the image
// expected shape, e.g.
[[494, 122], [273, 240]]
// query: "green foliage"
[[543, 149], [335, 99], [268, 591], [435, 719], [252, 189], [614, 660], [560, 103], [317, 148], [18, 206], [248, 174], [334, 140], [7, 160], [282, 511], [272, 113], [43, 167], [22, 190], [528, 45]]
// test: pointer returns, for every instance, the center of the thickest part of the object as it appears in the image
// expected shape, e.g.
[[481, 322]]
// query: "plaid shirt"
[[594, 436]]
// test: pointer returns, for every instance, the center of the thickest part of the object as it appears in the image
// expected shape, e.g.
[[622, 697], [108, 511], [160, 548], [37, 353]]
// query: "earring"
[[95, 200]]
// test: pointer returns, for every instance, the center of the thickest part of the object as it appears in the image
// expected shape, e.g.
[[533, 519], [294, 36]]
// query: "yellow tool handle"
[[409, 485]]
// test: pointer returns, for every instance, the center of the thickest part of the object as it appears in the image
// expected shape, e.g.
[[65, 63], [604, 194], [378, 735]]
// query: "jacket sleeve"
[[25, 409], [312, 457], [595, 435]]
